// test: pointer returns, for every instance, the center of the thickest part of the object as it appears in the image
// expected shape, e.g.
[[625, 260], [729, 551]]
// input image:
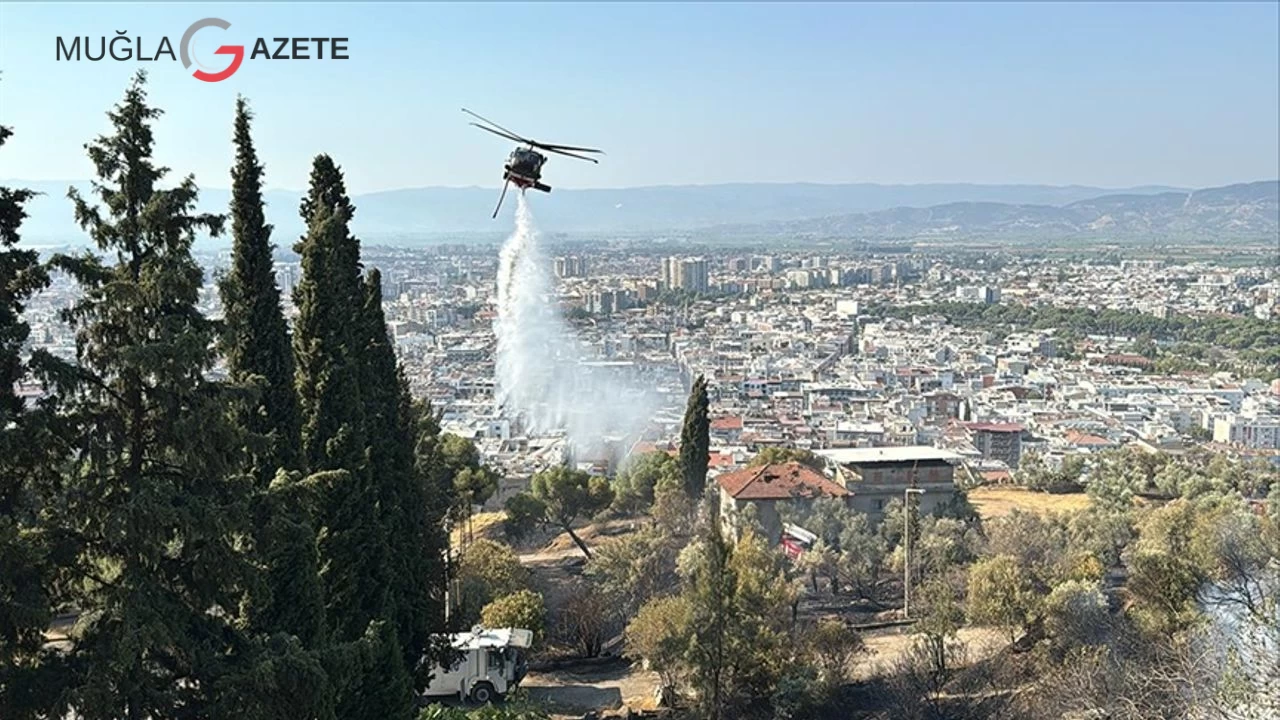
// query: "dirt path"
[[608, 686], [605, 686]]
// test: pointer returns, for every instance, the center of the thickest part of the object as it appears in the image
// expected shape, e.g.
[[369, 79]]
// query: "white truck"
[[490, 662]]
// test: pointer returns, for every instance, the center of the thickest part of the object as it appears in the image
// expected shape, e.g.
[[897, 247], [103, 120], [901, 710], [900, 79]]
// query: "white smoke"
[[544, 374]]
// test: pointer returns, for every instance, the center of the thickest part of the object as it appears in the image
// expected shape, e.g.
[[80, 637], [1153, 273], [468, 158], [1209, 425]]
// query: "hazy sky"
[[1102, 94]]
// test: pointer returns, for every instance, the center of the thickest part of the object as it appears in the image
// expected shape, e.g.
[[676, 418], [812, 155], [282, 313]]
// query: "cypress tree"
[[326, 339], [378, 686], [712, 587], [355, 424], [294, 601], [401, 491], [328, 343], [433, 474], [695, 440], [153, 501], [256, 337], [288, 598]]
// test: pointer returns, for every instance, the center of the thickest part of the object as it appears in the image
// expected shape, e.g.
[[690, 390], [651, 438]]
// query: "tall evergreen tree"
[[401, 490], [152, 501], [26, 451], [378, 687], [256, 338], [288, 598], [712, 589], [433, 473], [695, 440], [328, 342], [293, 601], [353, 426]]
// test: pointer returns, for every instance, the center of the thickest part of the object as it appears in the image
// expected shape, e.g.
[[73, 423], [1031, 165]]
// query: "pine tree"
[[20, 277], [256, 339], [695, 440], [152, 502], [26, 452]]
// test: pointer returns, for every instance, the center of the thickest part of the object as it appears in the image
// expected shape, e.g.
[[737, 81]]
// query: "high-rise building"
[[768, 263], [666, 277], [799, 278], [571, 266], [693, 275], [602, 302], [689, 274], [285, 279]]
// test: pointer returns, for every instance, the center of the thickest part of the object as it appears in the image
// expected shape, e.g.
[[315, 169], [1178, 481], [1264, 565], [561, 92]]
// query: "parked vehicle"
[[488, 664], [795, 540]]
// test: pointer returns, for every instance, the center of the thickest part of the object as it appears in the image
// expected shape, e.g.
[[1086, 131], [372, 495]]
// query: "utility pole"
[[906, 549]]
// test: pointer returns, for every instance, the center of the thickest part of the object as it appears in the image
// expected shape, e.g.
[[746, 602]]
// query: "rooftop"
[[779, 482], [995, 427], [480, 637], [914, 453]]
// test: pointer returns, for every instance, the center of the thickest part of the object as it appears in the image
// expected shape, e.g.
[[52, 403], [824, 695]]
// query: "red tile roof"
[[727, 423], [1078, 438], [720, 459], [994, 427], [779, 482]]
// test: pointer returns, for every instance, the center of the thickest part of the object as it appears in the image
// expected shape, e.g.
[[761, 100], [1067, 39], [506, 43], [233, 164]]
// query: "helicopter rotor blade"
[[549, 146], [487, 120], [500, 134], [572, 155]]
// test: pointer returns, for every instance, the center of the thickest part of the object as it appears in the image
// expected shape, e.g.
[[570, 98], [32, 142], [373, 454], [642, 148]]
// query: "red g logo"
[[235, 51]]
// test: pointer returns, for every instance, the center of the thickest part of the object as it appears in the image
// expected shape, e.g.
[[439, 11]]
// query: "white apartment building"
[[1259, 432]]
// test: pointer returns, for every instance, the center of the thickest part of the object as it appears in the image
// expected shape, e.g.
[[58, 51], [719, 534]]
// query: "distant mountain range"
[[408, 216], [1250, 210]]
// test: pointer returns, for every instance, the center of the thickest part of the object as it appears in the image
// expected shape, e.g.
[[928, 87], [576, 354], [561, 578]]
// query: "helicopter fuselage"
[[524, 169]]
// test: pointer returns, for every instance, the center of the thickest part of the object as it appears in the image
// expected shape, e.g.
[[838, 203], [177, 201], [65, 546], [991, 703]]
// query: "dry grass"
[[483, 525], [886, 646], [998, 501]]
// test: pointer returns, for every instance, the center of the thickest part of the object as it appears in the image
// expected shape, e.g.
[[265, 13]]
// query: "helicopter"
[[524, 165]]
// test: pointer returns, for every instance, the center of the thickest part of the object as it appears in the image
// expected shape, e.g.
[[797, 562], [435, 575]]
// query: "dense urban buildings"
[[842, 353]]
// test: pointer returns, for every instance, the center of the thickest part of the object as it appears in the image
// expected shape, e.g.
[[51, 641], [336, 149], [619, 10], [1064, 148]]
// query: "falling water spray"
[[542, 375]]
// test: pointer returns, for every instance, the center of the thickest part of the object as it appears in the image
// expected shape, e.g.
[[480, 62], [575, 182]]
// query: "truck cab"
[[488, 664]]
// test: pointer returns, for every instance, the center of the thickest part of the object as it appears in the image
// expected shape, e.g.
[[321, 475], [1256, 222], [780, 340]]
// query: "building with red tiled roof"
[[727, 429], [765, 486], [1081, 439]]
